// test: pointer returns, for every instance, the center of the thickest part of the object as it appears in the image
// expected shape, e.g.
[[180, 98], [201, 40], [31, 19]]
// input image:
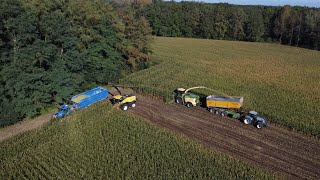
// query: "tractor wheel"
[[246, 121], [133, 104], [189, 104], [124, 107], [178, 100], [259, 125]]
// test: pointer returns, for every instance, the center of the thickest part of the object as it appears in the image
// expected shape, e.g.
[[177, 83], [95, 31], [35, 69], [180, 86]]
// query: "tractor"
[[253, 118], [64, 110]]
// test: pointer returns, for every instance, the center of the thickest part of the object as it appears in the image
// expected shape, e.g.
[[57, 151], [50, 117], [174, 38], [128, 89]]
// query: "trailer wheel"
[[189, 104], [223, 114], [178, 100], [259, 125], [216, 112], [210, 110], [246, 121], [124, 107]]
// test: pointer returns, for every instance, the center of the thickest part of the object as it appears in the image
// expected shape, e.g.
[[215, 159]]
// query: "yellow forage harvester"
[[123, 101]]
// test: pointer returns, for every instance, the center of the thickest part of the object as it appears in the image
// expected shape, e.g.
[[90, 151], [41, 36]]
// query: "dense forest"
[[295, 26], [53, 49]]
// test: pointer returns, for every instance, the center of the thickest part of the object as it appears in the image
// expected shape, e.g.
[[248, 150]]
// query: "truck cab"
[[254, 118], [64, 110]]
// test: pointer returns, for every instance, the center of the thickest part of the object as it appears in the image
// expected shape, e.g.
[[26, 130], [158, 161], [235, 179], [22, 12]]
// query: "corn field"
[[104, 143], [282, 83]]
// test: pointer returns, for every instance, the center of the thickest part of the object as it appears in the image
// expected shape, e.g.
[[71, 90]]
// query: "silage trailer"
[[87, 98]]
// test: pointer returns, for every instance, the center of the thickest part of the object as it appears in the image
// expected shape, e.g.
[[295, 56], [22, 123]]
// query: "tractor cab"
[[185, 97], [117, 99], [253, 114], [180, 91], [64, 110]]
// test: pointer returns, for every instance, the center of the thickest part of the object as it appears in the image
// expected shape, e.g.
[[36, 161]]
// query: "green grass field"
[[104, 143], [281, 82]]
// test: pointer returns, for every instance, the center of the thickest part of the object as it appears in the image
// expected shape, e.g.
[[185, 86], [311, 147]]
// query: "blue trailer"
[[82, 100], [89, 97]]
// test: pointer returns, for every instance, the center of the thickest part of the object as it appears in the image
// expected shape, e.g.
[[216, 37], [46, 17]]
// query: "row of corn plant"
[[280, 82], [105, 143]]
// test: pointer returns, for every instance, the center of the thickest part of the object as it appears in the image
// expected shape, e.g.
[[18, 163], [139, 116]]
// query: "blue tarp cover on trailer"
[[89, 97]]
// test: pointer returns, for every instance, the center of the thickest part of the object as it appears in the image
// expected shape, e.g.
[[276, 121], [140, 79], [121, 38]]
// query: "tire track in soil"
[[285, 153]]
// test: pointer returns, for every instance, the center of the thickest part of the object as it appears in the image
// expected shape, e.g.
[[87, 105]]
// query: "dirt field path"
[[24, 126], [286, 153]]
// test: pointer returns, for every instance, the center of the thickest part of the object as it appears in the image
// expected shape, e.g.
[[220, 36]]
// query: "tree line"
[[53, 49], [295, 26]]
